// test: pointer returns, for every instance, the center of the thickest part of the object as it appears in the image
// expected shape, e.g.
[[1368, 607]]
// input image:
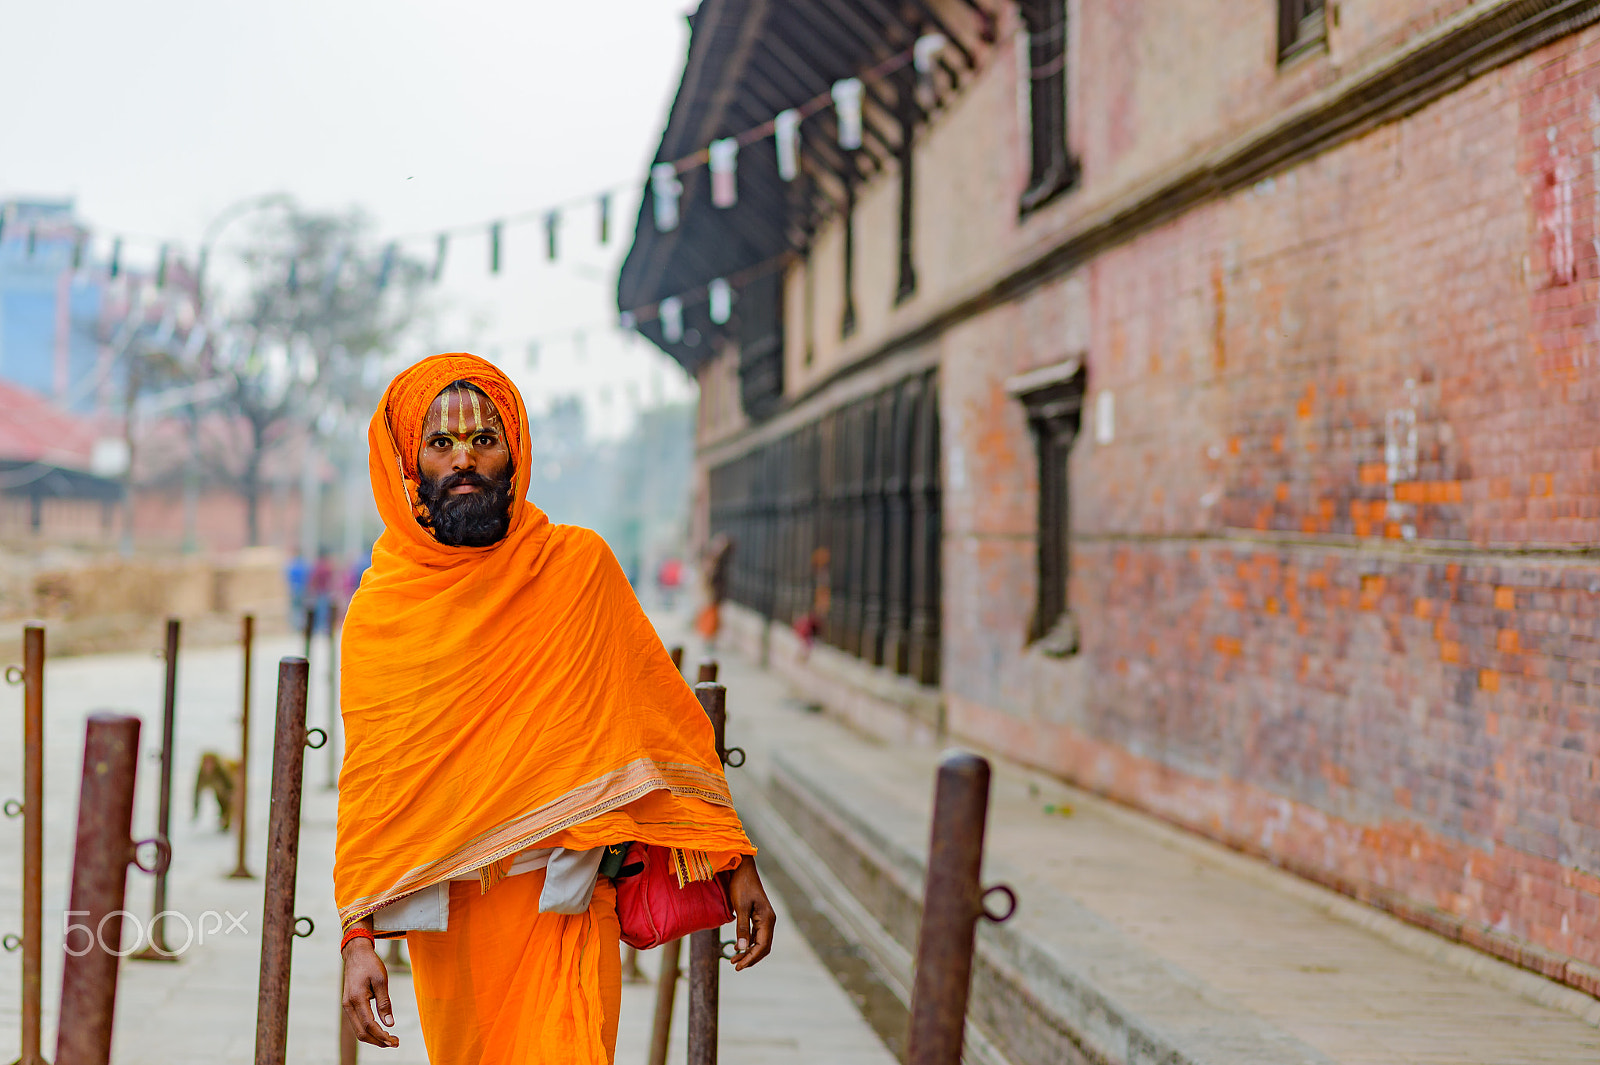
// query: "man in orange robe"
[[509, 713]]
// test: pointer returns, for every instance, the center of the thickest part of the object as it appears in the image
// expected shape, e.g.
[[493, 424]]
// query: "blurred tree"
[[302, 347]]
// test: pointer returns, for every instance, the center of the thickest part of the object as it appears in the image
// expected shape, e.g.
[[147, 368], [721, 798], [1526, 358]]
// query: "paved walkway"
[[1203, 946], [201, 1010]]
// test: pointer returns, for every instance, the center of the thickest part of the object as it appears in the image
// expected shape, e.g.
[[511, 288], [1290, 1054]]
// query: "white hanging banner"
[[672, 319], [724, 155], [720, 296], [847, 106], [786, 132], [666, 188]]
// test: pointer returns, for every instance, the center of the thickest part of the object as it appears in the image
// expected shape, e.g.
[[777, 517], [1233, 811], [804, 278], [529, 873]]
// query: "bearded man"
[[510, 716]]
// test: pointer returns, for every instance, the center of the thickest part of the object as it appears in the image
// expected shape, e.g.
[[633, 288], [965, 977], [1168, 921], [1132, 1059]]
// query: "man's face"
[[464, 469]]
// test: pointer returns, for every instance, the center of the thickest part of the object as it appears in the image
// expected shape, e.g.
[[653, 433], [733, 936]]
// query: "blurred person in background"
[[715, 564], [320, 590], [297, 574], [512, 723], [668, 576]]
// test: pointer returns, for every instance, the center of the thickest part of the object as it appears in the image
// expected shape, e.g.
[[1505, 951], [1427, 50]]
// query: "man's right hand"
[[366, 981]]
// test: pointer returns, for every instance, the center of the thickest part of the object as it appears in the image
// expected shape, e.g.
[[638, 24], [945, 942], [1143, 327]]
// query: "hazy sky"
[[155, 116]]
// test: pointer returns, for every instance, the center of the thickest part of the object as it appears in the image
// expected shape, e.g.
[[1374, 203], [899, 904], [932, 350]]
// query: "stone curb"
[[1111, 1002]]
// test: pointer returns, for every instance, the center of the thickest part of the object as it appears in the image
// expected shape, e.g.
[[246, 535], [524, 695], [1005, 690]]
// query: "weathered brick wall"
[[1334, 571]]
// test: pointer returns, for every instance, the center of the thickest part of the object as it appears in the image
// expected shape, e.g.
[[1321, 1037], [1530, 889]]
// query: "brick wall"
[[1334, 568]]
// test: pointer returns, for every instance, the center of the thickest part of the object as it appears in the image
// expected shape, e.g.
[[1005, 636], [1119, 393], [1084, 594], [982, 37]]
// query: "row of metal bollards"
[[103, 850], [953, 903]]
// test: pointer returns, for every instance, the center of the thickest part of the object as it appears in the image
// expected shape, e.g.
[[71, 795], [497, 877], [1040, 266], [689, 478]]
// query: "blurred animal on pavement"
[[219, 776]]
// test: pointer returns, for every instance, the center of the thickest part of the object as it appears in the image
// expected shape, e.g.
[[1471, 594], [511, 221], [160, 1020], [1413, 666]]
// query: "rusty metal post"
[[677, 657], [705, 947], [952, 904], [241, 786], [705, 954], [666, 992], [278, 922], [714, 700], [99, 884], [349, 1045], [332, 783], [156, 949], [32, 810], [707, 674]]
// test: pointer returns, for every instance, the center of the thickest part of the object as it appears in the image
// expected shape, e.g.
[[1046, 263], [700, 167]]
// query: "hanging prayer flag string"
[[665, 185]]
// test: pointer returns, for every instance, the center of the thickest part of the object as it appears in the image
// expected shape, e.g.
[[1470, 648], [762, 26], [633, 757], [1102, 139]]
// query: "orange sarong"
[[499, 698], [489, 988]]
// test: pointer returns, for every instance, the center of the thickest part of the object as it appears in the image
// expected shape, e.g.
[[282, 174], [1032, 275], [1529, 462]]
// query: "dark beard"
[[476, 519]]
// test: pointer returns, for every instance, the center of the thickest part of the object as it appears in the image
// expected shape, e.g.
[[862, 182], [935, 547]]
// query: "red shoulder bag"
[[653, 909]]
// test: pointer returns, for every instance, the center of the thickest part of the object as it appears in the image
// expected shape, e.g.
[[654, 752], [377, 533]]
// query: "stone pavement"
[[1133, 941], [786, 1011]]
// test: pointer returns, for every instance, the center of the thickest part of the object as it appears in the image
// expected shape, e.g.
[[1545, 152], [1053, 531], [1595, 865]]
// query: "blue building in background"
[[50, 303]]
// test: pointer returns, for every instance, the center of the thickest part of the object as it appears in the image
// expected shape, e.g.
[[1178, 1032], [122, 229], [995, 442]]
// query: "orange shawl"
[[502, 697]]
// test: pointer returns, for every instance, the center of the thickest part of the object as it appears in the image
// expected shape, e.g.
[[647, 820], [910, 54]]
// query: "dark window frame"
[[1053, 169], [847, 320], [906, 106], [1302, 26], [1052, 399]]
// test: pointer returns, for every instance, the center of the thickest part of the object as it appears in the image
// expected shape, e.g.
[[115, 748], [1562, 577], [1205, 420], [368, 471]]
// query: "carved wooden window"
[[1302, 24], [1053, 170], [1053, 400]]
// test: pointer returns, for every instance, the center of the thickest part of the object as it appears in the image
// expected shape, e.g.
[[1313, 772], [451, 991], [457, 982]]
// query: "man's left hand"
[[753, 913]]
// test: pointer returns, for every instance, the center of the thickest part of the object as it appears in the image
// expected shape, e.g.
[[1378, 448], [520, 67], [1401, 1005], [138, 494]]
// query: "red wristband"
[[357, 933]]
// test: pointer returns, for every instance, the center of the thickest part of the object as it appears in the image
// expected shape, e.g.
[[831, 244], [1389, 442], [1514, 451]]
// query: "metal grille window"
[[1302, 24], [837, 525], [1053, 169], [1053, 400]]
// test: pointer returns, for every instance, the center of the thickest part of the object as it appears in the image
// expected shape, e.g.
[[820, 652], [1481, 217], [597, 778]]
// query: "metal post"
[[32, 842], [349, 1045], [707, 674], [278, 922], [99, 883], [952, 904], [310, 627], [156, 949], [241, 786], [666, 991], [705, 953], [705, 947], [332, 783], [677, 657], [714, 700]]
